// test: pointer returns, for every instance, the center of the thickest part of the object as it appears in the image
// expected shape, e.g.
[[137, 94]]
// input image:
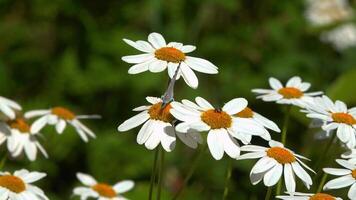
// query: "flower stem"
[[153, 174], [322, 182], [191, 171], [269, 193], [285, 125], [227, 179], [284, 140], [160, 174]]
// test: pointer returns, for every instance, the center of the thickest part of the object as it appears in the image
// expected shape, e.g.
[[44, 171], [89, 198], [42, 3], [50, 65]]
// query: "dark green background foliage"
[[68, 53]]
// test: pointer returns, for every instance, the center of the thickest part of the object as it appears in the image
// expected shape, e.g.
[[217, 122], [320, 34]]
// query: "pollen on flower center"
[[156, 112], [343, 118], [104, 190], [245, 113], [281, 155], [290, 93], [321, 196], [353, 173], [170, 54], [20, 124], [12, 183], [63, 113], [216, 119]]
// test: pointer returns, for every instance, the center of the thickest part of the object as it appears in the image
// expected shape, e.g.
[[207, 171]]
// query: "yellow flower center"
[[281, 155], [63, 113], [20, 124], [245, 113], [156, 112], [290, 93], [104, 190], [12, 183], [216, 119], [343, 118], [353, 173], [170, 54], [321, 196]]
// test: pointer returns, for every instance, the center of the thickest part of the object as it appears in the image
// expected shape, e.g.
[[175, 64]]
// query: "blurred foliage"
[[69, 53]]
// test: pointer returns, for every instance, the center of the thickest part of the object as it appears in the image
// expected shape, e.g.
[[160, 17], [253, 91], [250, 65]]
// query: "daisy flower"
[[19, 185], [336, 116], [9, 107], [347, 177], [341, 37], [101, 191], [293, 93], [157, 126], [248, 113], [350, 156], [59, 117], [158, 55], [19, 138], [326, 12], [275, 161], [308, 196], [221, 125]]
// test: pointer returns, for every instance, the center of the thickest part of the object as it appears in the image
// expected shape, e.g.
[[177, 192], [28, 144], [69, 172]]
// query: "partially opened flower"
[[248, 113], [275, 161], [101, 191], [19, 185], [335, 116], [308, 196], [221, 125], [347, 177], [9, 107], [350, 156], [293, 93], [158, 55], [20, 139], [157, 126], [59, 117]]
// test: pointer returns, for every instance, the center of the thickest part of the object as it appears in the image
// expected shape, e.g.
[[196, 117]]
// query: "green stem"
[[322, 182], [153, 174], [285, 125], [3, 161], [191, 171], [269, 193], [325, 152], [227, 179], [284, 140], [160, 174]]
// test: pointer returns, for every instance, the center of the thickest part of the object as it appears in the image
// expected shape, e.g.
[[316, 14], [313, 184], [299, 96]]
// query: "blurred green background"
[[68, 53]]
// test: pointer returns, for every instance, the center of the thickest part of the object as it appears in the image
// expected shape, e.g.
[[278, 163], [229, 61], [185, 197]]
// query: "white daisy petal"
[[340, 182], [235, 106], [86, 179], [272, 176], [123, 186], [275, 84], [134, 121], [140, 58], [201, 65], [189, 76], [156, 40], [214, 144]]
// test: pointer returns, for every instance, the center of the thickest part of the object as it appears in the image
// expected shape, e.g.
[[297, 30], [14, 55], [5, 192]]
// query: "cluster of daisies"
[[337, 14], [21, 136], [230, 127]]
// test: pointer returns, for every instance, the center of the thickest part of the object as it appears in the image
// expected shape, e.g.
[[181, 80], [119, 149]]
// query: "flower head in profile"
[[20, 138], [59, 117], [308, 196], [158, 56], [335, 116], [9, 107], [158, 126], [274, 162], [19, 185], [350, 156], [99, 190], [347, 177], [223, 128], [293, 93]]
